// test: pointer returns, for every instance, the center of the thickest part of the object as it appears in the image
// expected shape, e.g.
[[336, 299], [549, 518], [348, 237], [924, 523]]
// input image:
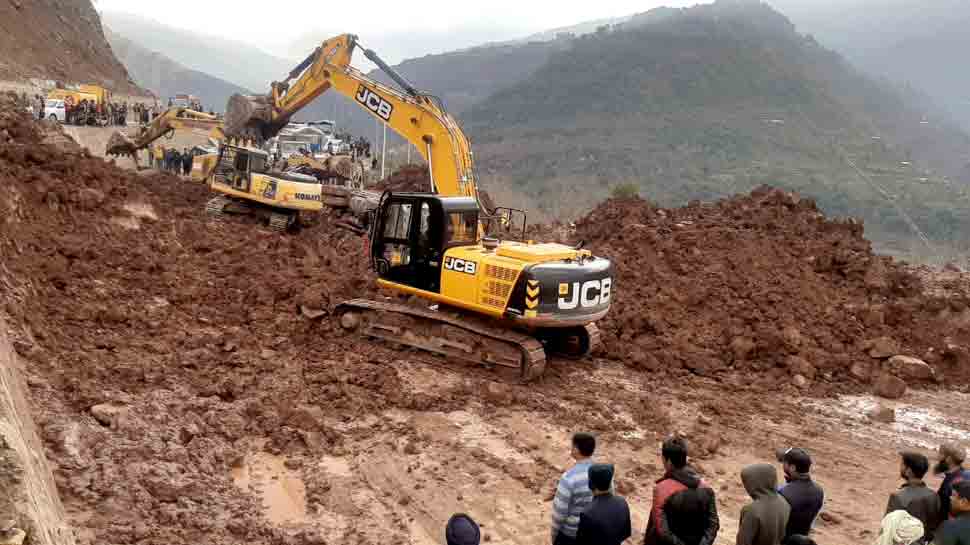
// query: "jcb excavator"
[[500, 304], [166, 124]]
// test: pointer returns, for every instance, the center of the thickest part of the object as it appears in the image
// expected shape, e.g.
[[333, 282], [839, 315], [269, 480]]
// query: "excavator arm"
[[419, 118], [171, 120]]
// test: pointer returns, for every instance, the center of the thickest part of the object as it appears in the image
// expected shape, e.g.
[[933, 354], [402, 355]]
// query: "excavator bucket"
[[120, 144], [249, 117]]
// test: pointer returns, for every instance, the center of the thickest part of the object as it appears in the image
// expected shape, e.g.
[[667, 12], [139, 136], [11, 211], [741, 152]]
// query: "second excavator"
[[499, 304], [165, 125]]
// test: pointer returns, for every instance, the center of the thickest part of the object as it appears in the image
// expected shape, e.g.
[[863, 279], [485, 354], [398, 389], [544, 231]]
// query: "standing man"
[[573, 494], [607, 519], [914, 496], [186, 162], [950, 465], [956, 531], [763, 521], [684, 508], [804, 496]]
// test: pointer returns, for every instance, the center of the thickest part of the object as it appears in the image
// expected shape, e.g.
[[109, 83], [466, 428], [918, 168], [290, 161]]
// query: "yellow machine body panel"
[[203, 165], [274, 192], [481, 278]]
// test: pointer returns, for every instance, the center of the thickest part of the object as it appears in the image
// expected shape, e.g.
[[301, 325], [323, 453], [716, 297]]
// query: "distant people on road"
[[900, 528], [956, 531], [186, 162], [606, 521], [804, 496], [573, 494], [914, 496], [684, 509], [764, 520], [950, 466], [462, 530]]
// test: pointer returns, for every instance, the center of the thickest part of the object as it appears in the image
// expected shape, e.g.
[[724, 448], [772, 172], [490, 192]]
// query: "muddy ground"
[[185, 396]]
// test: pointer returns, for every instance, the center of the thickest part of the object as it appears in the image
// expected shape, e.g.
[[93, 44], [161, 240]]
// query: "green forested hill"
[[714, 100]]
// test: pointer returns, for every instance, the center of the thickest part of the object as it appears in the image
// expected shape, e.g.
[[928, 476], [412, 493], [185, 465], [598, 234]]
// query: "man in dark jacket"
[[763, 521], [606, 521], [950, 465], [684, 510], [186, 162], [914, 496], [804, 496], [956, 531]]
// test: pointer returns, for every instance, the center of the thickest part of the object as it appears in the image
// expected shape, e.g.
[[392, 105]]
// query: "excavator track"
[[279, 221], [466, 338], [217, 205], [575, 342]]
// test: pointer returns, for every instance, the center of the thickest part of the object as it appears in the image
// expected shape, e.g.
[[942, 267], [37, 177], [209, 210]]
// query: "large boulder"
[[882, 413], [861, 370], [889, 387], [112, 415], [800, 366], [909, 368]]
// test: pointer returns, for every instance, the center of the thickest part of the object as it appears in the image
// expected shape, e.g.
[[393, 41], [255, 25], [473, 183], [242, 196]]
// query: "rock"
[[306, 417], [909, 367], [952, 267], [800, 366], [112, 415], [312, 313], [13, 536], [881, 348], [800, 381], [889, 387], [861, 370], [742, 347], [882, 413]]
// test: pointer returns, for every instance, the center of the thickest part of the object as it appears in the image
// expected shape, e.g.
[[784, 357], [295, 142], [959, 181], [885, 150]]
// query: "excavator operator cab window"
[[461, 228]]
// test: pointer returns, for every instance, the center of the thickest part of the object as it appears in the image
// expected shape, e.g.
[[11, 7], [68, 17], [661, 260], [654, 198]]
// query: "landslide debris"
[[760, 286]]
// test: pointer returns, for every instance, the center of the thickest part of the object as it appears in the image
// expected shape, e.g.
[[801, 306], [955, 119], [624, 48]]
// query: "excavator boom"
[[417, 117], [171, 120]]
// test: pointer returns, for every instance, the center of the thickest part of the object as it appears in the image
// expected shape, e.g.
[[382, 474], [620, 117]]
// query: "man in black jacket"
[[606, 521], [914, 496], [956, 531], [805, 497]]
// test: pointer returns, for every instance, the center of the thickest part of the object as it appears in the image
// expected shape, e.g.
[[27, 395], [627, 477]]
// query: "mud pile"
[[409, 178], [759, 286]]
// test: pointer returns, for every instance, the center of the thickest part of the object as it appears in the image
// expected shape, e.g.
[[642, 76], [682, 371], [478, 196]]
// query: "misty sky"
[[430, 26]]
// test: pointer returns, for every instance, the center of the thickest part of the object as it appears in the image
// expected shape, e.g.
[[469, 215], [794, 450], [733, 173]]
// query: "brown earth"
[[74, 47], [184, 396]]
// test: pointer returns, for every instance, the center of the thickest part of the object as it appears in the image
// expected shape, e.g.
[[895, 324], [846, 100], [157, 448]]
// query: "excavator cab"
[[412, 232], [236, 164]]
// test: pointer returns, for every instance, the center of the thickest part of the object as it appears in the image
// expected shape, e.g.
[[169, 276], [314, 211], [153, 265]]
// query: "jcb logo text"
[[588, 294], [374, 103], [460, 265]]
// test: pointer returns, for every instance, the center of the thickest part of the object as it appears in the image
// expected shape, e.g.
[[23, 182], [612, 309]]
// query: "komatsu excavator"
[[166, 124], [499, 304]]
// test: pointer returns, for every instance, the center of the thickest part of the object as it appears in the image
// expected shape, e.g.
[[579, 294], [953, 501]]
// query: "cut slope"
[[60, 41]]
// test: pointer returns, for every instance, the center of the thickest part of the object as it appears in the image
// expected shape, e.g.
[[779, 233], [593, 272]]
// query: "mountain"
[[920, 44], [232, 61], [58, 40], [714, 100], [165, 77]]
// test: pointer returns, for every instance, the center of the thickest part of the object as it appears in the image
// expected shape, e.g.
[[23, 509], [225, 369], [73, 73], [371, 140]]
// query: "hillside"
[[715, 100], [74, 47], [918, 44], [237, 62], [165, 77]]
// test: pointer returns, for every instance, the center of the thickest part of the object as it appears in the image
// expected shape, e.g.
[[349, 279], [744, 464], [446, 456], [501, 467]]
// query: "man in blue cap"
[[462, 530], [607, 519]]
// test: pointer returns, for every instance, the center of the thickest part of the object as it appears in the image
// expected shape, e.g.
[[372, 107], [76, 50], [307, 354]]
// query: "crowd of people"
[[172, 160], [587, 511]]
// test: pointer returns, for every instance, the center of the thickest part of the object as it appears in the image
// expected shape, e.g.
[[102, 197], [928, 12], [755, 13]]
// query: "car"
[[54, 110]]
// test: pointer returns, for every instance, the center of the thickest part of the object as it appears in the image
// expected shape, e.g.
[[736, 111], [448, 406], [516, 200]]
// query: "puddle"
[[282, 491], [920, 425]]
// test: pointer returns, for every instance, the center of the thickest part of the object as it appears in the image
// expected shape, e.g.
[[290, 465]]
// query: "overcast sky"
[[438, 25]]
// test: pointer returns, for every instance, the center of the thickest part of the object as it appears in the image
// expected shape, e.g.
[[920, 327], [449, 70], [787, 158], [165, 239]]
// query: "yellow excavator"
[[499, 304], [165, 124]]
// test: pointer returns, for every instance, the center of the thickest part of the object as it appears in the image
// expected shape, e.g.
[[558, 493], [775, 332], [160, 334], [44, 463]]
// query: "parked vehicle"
[[54, 110]]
